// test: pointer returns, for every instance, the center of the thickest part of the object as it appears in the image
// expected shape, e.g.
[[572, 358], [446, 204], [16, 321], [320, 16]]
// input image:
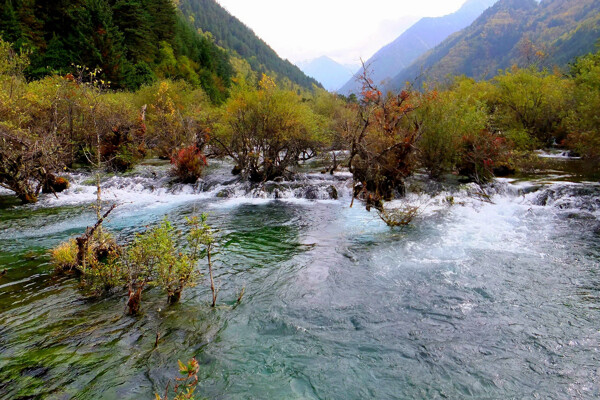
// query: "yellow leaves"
[[182, 367], [267, 83], [163, 88]]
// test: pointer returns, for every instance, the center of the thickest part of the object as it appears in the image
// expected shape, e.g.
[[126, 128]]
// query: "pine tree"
[[100, 41], [10, 28], [56, 58], [32, 28], [136, 25], [163, 17]]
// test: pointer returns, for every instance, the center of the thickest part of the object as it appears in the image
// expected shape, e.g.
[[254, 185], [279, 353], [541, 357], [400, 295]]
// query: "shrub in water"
[[155, 259], [186, 385], [188, 164], [481, 154], [64, 256]]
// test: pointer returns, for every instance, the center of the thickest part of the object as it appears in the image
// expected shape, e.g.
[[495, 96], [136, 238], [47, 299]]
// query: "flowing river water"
[[491, 297]]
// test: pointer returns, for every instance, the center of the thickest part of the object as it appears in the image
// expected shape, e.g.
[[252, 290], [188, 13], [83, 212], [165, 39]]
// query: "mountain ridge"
[[424, 35], [512, 32], [331, 74]]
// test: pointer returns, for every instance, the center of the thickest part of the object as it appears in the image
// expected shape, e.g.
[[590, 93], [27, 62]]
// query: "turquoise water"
[[475, 300]]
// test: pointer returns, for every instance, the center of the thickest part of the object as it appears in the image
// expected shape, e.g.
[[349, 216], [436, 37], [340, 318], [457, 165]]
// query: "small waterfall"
[[155, 185], [152, 184], [570, 196]]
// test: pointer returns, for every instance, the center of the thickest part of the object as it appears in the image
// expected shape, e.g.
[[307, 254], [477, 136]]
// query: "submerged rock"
[[225, 193], [333, 192], [55, 184], [570, 196], [311, 193]]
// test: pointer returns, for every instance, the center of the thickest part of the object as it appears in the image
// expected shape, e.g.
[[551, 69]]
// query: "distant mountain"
[[421, 37], [230, 33], [330, 73], [512, 32]]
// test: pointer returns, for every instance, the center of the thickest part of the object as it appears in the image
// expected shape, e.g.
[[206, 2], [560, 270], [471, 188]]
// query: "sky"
[[344, 30]]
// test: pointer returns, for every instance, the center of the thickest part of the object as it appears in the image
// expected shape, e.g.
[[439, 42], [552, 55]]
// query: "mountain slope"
[[421, 37], [513, 32], [231, 33], [331, 74], [132, 41]]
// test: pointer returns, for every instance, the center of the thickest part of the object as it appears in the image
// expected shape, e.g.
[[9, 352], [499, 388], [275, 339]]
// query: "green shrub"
[[583, 121], [64, 256], [529, 101], [445, 119], [154, 258], [266, 131], [522, 140]]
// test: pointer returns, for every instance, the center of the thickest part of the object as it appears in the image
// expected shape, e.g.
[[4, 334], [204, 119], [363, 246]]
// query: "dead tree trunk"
[[83, 241]]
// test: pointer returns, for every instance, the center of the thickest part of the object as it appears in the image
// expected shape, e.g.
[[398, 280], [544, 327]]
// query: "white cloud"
[[345, 30]]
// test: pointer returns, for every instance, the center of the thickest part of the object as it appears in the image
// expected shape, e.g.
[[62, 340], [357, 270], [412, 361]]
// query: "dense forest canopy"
[[132, 41]]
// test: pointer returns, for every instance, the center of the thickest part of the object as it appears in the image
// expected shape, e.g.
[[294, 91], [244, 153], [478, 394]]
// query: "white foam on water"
[[565, 155], [509, 218], [148, 191]]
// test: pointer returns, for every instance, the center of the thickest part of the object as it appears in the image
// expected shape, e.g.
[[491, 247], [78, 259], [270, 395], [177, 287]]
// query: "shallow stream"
[[486, 296]]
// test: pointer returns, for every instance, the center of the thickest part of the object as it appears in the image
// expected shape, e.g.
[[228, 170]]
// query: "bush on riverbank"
[[448, 121], [583, 120]]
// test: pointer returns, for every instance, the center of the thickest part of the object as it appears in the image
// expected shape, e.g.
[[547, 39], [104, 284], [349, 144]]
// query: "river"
[[482, 297]]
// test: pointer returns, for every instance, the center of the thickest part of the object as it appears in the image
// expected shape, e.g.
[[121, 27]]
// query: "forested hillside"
[[132, 41], [419, 38], [230, 33], [513, 32]]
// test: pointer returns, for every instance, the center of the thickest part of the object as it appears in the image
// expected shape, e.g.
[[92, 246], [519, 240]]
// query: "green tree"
[[266, 131], [529, 106], [56, 58], [446, 119], [99, 40], [135, 22], [583, 120], [10, 28]]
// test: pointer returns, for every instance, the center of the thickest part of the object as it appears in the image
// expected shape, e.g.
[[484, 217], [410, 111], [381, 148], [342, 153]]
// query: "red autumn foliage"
[[481, 154], [188, 164], [383, 142]]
